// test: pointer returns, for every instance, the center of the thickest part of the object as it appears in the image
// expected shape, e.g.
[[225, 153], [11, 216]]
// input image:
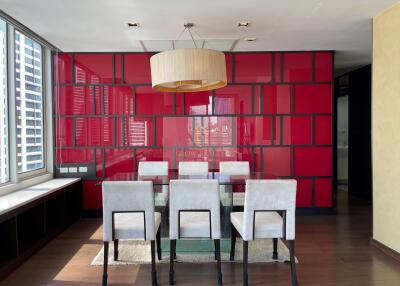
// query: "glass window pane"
[[4, 170], [29, 104]]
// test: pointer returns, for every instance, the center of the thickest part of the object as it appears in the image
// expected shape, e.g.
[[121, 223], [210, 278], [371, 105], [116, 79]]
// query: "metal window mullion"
[[47, 106], [12, 119]]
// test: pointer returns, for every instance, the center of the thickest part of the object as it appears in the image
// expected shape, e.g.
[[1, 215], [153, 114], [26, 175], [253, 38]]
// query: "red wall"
[[276, 113]]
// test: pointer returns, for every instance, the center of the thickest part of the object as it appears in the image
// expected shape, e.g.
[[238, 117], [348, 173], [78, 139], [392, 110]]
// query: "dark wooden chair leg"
[[158, 238], [153, 264], [275, 253], [116, 252], [175, 249], [105, 263], [172, 244], [245, 262], [215, 250], [218, 254], [233, 243], [293, 263]]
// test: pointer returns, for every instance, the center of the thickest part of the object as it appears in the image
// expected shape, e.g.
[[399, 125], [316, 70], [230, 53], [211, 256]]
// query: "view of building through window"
[[4, 169], [29, 103]]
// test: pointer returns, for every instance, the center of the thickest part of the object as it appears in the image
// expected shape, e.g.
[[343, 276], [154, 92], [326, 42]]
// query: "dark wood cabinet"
[[26, 229]]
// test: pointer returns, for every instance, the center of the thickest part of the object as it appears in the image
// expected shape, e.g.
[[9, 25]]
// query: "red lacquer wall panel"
[[233, 99], [153, 102], [323, 66], [275, 113], [251, 67], [63, 68], [277, 98], [322, 192], [297, 130], [118, 100], [137, 68], [198, 103], [313, 98], [297, 67], [93, 68]]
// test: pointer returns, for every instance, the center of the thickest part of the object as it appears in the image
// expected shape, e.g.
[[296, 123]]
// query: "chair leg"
[[233, 243], [116, 252], [218, 254], [275, 253], [245, 262], [215, 250], [175, 249], [158, 238], [293, 263], [105, 263], [153, 264], [172, 244]]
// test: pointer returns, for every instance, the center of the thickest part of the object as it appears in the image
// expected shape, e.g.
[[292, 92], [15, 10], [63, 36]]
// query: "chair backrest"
[[270, 195], [234, 168], [153, 168], [200, 194], [124, 196], [193, 168]]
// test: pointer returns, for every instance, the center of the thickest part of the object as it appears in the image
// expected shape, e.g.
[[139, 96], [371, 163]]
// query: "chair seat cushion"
[[131, 225], [267, 225], [195, 225]]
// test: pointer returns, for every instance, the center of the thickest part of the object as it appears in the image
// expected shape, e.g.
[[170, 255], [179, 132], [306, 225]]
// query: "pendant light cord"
[[188, 27], [194, 42]]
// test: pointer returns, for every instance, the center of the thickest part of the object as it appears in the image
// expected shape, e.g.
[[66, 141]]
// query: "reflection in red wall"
[[275, 113]]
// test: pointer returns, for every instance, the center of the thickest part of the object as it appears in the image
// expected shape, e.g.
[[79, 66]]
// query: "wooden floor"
[[333, 250]]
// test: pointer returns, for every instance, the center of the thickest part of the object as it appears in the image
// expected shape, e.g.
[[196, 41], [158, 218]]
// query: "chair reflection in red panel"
[[193, 169], [155, 168], [233, 168]]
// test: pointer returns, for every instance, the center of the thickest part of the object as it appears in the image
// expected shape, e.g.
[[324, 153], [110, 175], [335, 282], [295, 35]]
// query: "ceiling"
[[101, 25]]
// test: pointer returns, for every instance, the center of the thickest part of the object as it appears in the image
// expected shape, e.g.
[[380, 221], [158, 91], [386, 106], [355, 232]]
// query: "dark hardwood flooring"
[[333, 250]]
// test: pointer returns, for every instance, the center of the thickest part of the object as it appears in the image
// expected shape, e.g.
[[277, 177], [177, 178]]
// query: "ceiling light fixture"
[[188, 70], [243, 24], [133, 25]]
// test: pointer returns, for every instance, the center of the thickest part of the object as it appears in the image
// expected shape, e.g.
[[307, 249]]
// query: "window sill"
[[12, 187]]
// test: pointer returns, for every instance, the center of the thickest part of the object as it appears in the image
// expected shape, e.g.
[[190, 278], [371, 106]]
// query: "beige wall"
[[386, 127]]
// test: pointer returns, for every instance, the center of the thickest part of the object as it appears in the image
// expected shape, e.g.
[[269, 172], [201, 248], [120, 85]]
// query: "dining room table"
[[232, 190]]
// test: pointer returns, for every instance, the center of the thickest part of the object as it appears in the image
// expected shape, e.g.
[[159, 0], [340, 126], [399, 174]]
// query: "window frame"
[[18, 181], [7, 52], [44, 169]]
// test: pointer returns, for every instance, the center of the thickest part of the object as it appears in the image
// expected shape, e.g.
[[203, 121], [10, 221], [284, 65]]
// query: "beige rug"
[[138, 252]]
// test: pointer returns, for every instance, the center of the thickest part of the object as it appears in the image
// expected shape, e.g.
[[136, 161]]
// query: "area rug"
[[138, 252]]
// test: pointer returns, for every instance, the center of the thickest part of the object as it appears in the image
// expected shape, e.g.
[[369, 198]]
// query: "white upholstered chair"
[[269, 212], [233, 168], [128, 213], [153, 168], [194, 210], [156, 168], [193, 168]]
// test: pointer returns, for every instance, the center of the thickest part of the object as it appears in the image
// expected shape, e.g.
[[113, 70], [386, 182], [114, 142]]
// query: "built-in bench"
[[29, 218]]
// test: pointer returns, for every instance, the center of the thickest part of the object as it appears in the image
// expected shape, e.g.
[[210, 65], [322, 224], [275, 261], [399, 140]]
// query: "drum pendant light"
[[188, 70]]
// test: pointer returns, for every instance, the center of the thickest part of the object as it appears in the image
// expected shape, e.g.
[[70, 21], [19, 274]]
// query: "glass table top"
[[223, 179]]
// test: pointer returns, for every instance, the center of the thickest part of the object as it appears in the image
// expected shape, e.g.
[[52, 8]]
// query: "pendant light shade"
[[188, 70]]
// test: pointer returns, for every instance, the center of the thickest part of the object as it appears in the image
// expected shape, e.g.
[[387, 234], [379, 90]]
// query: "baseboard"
[[385, 249]]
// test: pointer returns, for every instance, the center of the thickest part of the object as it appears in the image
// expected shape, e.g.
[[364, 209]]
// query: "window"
[[29, 103], [4, 166], [24, 76]]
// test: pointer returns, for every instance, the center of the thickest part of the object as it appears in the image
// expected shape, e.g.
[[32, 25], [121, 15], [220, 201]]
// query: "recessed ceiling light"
[[250, 39], [243, 24], [133, 24]]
